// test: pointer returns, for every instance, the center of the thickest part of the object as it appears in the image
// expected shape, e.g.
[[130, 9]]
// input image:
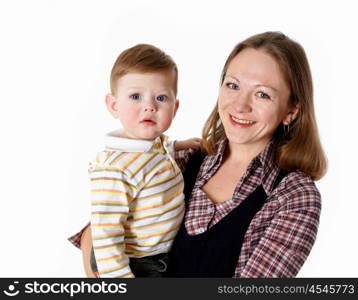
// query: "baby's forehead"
[[163, 79]]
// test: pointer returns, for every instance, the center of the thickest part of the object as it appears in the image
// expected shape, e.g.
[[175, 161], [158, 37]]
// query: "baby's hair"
[[142, 58]]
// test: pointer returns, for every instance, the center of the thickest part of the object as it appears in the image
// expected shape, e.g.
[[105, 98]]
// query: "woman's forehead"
[[256, 67]]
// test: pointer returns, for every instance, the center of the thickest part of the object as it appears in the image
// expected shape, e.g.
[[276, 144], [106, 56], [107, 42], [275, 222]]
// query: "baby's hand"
[[193, 143]]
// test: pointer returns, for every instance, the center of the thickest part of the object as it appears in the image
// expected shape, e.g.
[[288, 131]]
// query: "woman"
[[254, 209]]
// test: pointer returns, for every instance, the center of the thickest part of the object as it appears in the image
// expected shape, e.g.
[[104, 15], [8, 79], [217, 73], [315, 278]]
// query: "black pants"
[[149, 266]]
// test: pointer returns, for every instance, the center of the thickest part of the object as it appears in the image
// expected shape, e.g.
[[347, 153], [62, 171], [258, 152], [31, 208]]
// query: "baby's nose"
[[149, 108]]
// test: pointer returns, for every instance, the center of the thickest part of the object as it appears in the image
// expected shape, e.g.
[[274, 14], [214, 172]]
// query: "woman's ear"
[[291, 114], [112, 105]]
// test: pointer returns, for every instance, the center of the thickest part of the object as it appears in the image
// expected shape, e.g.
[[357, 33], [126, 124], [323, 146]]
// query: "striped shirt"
[[137, 202]]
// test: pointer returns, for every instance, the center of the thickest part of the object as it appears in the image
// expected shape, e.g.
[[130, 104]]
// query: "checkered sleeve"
[[182, 157], [289, 237], [76, 238]]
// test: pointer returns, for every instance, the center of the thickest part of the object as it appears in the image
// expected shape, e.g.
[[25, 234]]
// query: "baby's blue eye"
[[162, 98], [263, 95], [232, 85], [135, 96]]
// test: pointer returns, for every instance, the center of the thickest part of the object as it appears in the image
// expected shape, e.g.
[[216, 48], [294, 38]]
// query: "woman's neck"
[[239, 154]]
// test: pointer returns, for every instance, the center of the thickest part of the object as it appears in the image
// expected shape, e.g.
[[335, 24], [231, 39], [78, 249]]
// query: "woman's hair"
[[300, 147], [142, 58]]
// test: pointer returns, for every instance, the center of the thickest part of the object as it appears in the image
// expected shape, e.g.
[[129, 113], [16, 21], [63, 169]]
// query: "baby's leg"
[[86, 246]]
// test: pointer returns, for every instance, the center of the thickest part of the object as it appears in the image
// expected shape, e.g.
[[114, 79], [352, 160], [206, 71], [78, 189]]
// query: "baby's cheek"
[[128, 119], [166, 122]]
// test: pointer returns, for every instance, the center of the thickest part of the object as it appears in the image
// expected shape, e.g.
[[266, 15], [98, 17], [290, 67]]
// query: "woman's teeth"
[[240, 121]]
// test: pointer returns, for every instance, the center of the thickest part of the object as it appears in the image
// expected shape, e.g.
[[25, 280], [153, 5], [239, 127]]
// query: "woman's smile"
[[241, 122]]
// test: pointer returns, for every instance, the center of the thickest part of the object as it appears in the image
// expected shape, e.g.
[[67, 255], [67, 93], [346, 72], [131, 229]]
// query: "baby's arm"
[[111, 194], [193, 143]]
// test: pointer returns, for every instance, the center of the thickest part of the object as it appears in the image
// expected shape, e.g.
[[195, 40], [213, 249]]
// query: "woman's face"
[[253, 98]]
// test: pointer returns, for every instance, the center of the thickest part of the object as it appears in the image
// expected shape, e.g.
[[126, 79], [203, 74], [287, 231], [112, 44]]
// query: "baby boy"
[[136, 187]]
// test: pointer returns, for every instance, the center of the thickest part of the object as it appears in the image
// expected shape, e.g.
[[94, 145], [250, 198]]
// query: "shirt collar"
[[270, 170], [115, 141], [216, 159], [266, 156], [265, 159]]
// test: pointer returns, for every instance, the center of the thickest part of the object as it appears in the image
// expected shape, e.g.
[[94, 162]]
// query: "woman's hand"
[[193, 143], [86, 246]]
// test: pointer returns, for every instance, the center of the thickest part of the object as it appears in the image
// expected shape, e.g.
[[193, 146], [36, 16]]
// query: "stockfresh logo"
[[12, 291]]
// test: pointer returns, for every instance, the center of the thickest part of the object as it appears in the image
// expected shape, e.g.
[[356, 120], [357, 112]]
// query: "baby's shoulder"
[[111, 159], [108, 158]]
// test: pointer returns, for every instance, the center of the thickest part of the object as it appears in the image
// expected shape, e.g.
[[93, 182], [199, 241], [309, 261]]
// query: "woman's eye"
[[232, 85], [135, 96], [162, 98], [263, 95]]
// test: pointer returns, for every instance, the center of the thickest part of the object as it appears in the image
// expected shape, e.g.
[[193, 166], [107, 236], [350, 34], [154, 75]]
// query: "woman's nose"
[[242, 103]]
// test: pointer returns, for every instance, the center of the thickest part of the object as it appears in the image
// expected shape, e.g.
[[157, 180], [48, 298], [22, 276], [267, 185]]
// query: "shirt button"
[[201, 230]]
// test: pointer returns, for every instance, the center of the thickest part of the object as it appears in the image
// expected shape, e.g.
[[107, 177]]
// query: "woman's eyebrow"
[[267, 86], [233, 77], [256, 85]]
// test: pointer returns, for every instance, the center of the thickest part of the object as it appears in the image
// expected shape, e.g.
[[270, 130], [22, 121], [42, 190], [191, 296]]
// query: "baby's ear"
[[176, 106], [112, 105]]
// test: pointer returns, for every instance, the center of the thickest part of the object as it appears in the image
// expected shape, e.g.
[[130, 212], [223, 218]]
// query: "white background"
[[55, 61]]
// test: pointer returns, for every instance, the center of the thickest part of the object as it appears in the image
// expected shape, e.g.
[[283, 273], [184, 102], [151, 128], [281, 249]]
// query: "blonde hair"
[[142, 58], [300, 148]]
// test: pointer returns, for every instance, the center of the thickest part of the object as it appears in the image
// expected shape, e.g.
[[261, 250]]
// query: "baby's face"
[[145, 104]]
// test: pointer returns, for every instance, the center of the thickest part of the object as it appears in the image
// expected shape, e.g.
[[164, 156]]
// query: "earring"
[[286, 128]]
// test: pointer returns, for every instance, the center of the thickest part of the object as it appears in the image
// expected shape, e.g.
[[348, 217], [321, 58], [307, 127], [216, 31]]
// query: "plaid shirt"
[[281, 234]]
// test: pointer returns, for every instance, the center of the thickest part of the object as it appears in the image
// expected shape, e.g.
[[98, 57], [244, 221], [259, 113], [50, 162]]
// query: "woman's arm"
[[193, 143], [86, 247], [184, 150]]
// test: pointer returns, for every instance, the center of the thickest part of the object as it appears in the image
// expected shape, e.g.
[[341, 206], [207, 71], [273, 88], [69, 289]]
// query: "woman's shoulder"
[[299, 179], [298, 189]]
